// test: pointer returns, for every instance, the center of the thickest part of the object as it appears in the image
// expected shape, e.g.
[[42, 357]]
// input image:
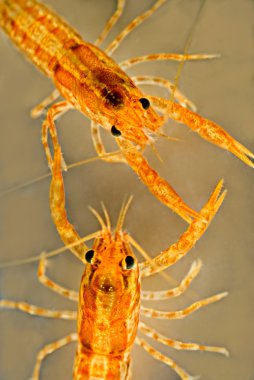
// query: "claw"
[[207, 129], [241, 152], [214, 202]]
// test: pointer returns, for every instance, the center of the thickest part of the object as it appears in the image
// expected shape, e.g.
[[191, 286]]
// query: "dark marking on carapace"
[[113, 97]]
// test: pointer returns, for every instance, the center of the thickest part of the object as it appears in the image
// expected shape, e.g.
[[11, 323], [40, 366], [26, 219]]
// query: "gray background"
[[222, 89]]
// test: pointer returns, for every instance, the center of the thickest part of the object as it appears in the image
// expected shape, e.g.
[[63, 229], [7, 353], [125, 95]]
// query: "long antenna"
[[44, 176], [186, 49], [55, 252]]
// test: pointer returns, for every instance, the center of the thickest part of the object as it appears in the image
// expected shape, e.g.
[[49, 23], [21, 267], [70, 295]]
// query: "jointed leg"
[[40, 108], [40, 311], [49, 349], [164, 359], [188, 239], [44, 280], [53, 113], [132, 25], [151, 333], [165, 57], [157, 185], [99, 146], [57, 195], [180, 289], [162, 82], [65, 229], [152, 313], [111, 22], [207, 129]]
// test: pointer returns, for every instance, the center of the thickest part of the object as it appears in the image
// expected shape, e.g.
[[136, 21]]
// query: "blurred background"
[[223, 91]]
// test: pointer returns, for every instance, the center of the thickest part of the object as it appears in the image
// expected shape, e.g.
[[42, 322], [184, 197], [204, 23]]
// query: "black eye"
[[115, 132], [89, 256], [129, 261], [145, 103]]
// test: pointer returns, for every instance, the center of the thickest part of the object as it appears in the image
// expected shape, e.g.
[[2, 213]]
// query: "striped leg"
[[151, 333], [132, 25], [164, 359], [40, 108], [180, 314], [40, 311], [99, 146], [188, 239], [65, 229], [111, 22], [49, 349], [165, 83], [165, 57], [180, 289], [55, 111], [44, 280]]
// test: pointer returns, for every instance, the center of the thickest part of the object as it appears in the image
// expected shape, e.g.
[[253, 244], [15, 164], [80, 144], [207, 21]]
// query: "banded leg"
[[99, 146], [165, 83], [49, 349], [54, 112], [157, 185], [132, 25], [207, 129], [111, 22], [180, 289], [180, 314], [164, 359], [36, 310], [165, 57], [177, 345], [188, 239], [65, 229], [40, 108], [44, 280]]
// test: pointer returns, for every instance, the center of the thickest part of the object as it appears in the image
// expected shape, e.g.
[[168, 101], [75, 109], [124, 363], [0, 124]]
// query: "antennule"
[[122, 214]]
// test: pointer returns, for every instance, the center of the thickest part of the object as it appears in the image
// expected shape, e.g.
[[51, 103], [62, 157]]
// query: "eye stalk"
[[129, 262], [115, 132], [89, 256], [145, 103]]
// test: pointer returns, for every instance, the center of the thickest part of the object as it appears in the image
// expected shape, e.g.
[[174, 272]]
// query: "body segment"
[[88, 78], [108, 312]]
